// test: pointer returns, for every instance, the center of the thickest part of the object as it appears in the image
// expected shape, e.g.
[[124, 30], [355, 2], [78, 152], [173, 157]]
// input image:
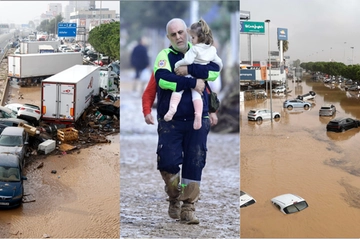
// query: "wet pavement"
[[142, 198], [296, 155]]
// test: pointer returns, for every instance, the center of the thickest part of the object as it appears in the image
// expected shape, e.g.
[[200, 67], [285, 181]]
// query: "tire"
[[306, 107], [276, 116], [342, 129], [258, 119], [289, 107], [300, 97]]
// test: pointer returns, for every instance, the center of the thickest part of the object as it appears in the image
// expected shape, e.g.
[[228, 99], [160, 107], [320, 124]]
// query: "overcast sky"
[[21, 12], [314, 27]]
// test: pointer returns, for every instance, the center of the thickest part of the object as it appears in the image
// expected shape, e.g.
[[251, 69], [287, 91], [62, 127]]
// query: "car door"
[[266, 114]]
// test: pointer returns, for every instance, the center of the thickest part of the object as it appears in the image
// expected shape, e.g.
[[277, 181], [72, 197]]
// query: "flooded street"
[[80, 201], [296, 155], [143, 202]]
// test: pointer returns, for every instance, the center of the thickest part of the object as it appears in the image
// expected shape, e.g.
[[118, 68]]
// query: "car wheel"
[[290, 107], [342, 129], [258, 119], [276, 116], [306, 107]]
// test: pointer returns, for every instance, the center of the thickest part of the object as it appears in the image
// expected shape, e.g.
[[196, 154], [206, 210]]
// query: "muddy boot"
[[189, 195], [172, 190]]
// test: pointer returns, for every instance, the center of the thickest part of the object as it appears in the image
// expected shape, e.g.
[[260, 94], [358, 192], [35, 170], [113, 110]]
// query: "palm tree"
[[285, 45]]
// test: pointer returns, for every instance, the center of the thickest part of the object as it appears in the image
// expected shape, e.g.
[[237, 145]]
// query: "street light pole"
[[55, 21], [344, 53], [271, 112]]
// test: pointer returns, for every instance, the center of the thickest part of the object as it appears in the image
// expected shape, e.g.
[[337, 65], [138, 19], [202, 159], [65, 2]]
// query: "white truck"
[[66, 95], [46, 49], [109, 82], [33, 46], [31, 69]]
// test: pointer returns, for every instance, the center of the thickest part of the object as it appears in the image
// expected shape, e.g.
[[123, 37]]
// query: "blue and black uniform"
[[178, 142]]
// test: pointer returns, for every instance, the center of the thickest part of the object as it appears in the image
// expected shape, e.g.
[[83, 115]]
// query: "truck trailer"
[[33, 46], [31, 69], [66, 95]]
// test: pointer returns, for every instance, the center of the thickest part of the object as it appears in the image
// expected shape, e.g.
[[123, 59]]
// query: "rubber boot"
[[172, 190], [189, 195], [174, 102], [198, 106]]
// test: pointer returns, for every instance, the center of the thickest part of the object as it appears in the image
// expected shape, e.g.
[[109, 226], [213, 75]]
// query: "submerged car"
[[289, 203], [262, 114], [296, 103], [327, 110], [308, 96], [342, 124], [279, 89], [246, 199], [11, 181]]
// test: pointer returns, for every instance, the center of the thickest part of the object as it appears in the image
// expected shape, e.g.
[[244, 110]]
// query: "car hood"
[[9, 189], [11, 150]]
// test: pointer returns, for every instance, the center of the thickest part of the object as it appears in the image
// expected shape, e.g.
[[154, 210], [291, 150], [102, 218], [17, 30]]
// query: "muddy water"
[[297, 155], [80, 201]]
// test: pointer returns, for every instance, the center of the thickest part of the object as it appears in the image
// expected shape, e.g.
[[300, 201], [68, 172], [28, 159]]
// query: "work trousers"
[[180, 144]]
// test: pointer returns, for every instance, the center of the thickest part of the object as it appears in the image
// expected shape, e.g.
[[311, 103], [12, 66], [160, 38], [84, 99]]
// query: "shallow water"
[[297, 155]]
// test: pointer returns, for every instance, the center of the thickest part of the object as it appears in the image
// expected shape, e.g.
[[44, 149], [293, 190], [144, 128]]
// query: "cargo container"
[[33, 46], [66, 95], [31, 69]]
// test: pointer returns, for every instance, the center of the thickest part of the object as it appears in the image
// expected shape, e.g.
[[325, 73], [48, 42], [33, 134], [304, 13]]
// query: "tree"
[[106, 39], [285, 46]]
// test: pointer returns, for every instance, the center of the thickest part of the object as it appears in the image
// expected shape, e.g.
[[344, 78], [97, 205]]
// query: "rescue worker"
[[178, 142]]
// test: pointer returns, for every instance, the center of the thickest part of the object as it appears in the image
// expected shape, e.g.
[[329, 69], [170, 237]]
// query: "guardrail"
[[5, 89]]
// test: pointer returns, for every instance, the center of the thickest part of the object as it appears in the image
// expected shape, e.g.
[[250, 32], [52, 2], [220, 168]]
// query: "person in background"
[[139, 60]]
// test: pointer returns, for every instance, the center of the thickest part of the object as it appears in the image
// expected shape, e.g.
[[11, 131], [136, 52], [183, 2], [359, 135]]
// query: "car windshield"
[[252, 201], [296, 207], [10, 140], [9, 174]]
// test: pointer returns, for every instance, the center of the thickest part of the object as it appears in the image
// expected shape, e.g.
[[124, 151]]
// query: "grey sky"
[[21, 12], [314, 27]]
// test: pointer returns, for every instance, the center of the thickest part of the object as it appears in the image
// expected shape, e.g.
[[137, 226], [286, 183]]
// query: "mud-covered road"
[[143, 202], [80, 201]]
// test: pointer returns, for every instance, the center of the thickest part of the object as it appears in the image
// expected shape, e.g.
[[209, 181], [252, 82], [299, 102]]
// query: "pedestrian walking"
[[178, 142], [201, 52], [139, 60]]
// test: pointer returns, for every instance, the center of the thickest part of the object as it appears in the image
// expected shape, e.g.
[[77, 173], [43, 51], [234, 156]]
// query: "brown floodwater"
[[82, 200], [296, 155]]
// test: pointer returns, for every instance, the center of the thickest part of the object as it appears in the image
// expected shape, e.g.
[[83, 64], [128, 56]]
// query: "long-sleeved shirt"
[[149, 95], [168, 82], [200, 54]]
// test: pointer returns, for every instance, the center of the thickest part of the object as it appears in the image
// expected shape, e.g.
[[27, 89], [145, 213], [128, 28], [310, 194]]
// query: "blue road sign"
[[66, 29]]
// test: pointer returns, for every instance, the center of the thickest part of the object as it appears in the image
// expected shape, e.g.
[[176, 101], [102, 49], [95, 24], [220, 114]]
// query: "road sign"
[[282, 34], [66, 29], [252, 27]]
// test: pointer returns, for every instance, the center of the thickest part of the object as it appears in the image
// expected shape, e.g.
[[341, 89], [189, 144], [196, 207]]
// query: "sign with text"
[[282, 34], [252, 27], [66, 29], [247, 74]]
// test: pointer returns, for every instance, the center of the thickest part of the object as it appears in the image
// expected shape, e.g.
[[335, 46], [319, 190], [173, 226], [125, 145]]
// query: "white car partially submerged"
[[246, 199], [289, 203], [262, 114]]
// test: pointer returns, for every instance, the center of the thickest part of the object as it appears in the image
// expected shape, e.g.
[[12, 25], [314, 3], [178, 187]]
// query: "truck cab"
[[109, 82]]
